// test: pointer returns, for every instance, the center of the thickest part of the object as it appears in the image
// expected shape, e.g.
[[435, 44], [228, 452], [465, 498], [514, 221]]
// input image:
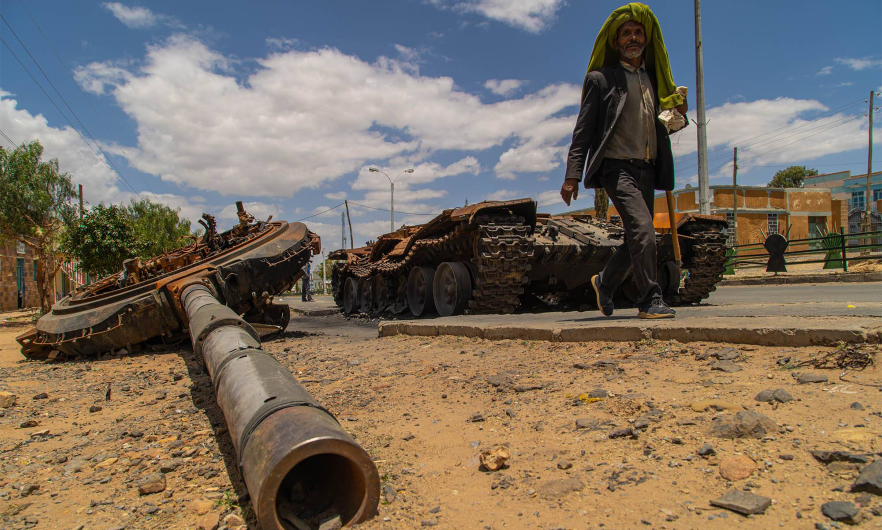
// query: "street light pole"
[[392, 192], [703, 184]]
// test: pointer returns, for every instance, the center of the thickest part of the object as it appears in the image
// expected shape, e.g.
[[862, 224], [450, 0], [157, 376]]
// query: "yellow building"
[[797, 213]]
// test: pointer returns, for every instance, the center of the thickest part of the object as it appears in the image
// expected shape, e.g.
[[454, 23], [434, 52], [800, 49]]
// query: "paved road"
[[828, 299]]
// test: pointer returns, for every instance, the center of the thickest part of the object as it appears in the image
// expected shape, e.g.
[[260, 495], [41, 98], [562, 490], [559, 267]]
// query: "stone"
[[528, 387], [627, 432], [95, 408], [744, 424], [209, 521], [389, 493], [726, 366], [557, 489], [743, 502], [870, 479], [41, 395], [841, 511], [408, 437], [716, 404], [811, 377], [494, 459], [152, 483], [598, 393], [586, 423], [726, 354], [429, 522], [854, 406], [828, 457], [167, 466], [564, 465], [28, 424], [737, 467], [7, 399], [476, 417], [765, 396], [782, 396], [707, 450], [333, 523]]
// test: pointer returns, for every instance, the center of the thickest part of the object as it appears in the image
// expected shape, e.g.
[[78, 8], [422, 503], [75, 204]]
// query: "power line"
[[8, 139], [65, 116], [86, 97], [387, 210], [320, 213], [63, 100]]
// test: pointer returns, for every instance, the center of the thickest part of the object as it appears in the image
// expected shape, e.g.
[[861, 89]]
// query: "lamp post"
[[392, 190]]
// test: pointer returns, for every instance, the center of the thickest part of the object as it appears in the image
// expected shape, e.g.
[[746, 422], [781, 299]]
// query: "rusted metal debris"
[[493, 257], [247, 265], [847, 356]]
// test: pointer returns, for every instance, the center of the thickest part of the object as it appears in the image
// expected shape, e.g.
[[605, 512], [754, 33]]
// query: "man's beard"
[[632, 54]]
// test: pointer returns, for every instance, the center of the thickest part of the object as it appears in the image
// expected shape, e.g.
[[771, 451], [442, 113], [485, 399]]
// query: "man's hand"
[[569, 190]]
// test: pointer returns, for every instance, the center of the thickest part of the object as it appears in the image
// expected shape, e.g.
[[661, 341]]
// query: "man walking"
[[626, 146], [305, 286]]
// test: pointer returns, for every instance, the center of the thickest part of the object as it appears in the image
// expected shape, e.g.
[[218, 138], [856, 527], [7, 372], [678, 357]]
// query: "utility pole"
[[392, 206], [869, 192], [351, 239], [735, 200], [703, 185], [81, 189], [343, 230], [323, 272]]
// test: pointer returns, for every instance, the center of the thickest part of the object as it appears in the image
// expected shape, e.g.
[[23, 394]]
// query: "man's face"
[[631, 39]]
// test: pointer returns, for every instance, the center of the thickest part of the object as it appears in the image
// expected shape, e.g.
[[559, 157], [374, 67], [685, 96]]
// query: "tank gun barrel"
[[297, 462]]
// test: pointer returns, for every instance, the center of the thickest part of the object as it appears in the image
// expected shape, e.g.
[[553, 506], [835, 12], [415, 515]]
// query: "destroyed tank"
[[497, 256], [245, 266]]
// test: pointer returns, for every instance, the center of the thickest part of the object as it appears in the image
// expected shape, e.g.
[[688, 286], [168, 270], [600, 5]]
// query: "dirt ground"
[[425, 408]]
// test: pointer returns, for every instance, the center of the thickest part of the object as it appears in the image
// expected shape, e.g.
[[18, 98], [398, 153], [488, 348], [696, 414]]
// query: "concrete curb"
[[315, 312], [846, 277], [738, 335]]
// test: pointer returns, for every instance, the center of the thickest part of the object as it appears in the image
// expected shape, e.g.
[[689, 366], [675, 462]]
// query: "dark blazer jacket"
[[603, 99]]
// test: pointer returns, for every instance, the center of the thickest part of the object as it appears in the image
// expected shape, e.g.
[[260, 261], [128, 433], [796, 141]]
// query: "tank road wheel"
[[365, 298], [419, 290], [452, 288], [350, 295], [380, 290], [398, 293], [669, 280]]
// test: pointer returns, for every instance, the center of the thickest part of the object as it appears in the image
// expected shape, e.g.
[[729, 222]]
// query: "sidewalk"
[[322, 306]]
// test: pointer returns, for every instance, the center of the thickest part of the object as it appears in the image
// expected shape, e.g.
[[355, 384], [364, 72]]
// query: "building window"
[[35, 270], [773, 223], [19, 247], [857, 200], [730, 231]]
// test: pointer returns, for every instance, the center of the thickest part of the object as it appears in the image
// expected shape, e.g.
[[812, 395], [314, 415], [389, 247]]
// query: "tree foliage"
[[791, 177], [36, 204], [102, 240], [158, 228], [108, 235], [601, 203]]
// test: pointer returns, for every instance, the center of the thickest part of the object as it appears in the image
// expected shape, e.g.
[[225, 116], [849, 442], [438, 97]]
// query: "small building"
[[18, 277], [795, 212], [851, 191]]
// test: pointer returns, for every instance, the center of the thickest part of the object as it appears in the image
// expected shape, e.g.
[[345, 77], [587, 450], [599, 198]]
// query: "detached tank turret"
[[493, 257]]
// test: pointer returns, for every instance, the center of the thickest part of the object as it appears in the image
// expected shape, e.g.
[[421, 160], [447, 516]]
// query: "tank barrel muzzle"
[[298, 463]]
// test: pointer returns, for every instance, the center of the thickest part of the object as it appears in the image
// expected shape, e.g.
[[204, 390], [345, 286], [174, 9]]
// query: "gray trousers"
[[630, 184]]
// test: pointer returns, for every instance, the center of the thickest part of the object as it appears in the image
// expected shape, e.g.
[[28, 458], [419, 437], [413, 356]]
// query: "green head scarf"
[[604, 54]]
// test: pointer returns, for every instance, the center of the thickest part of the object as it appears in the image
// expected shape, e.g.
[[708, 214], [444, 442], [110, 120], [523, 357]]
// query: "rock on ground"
[[744, 424]]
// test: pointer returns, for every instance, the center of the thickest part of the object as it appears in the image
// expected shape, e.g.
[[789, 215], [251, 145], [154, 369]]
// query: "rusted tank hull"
[[494, 257], [103, 317], [296, 460]]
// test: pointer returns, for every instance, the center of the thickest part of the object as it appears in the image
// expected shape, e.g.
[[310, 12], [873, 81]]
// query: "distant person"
[[306, 291], [626, 146]]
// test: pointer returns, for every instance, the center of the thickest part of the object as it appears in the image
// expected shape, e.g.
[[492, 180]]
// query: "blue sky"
[[285, 105]]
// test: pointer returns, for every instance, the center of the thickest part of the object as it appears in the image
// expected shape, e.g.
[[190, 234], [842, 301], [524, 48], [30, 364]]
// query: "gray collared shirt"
[[634, 136]]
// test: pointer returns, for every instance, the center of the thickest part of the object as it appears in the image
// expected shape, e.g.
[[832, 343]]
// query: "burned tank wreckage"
[[300, 467], [493, 257]]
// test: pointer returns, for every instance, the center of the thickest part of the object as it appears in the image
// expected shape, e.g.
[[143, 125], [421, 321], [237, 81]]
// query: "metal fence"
[[838, 251]]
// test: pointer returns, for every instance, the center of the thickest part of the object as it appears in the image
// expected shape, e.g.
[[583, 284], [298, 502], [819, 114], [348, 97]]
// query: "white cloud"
[[503, 87], [552, 197], [287, 121], [861, 63], [336, 196], [530, 15], [827, 70], [502, 195], [132, 17], [543, 178], [283, 43]]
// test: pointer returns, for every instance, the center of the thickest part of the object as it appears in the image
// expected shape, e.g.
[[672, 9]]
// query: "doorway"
[[19, 281]]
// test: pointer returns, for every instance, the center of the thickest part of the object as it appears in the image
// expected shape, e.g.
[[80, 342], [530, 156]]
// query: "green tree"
[[791, 177], [601, 204], [35, 207], [102, 240], [158, 228]]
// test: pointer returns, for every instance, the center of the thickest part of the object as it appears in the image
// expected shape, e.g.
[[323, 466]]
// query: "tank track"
[[503, 247], [708, 264]]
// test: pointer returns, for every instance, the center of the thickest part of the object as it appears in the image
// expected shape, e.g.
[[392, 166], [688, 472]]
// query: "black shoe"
[[657, 308], [604, 302]]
